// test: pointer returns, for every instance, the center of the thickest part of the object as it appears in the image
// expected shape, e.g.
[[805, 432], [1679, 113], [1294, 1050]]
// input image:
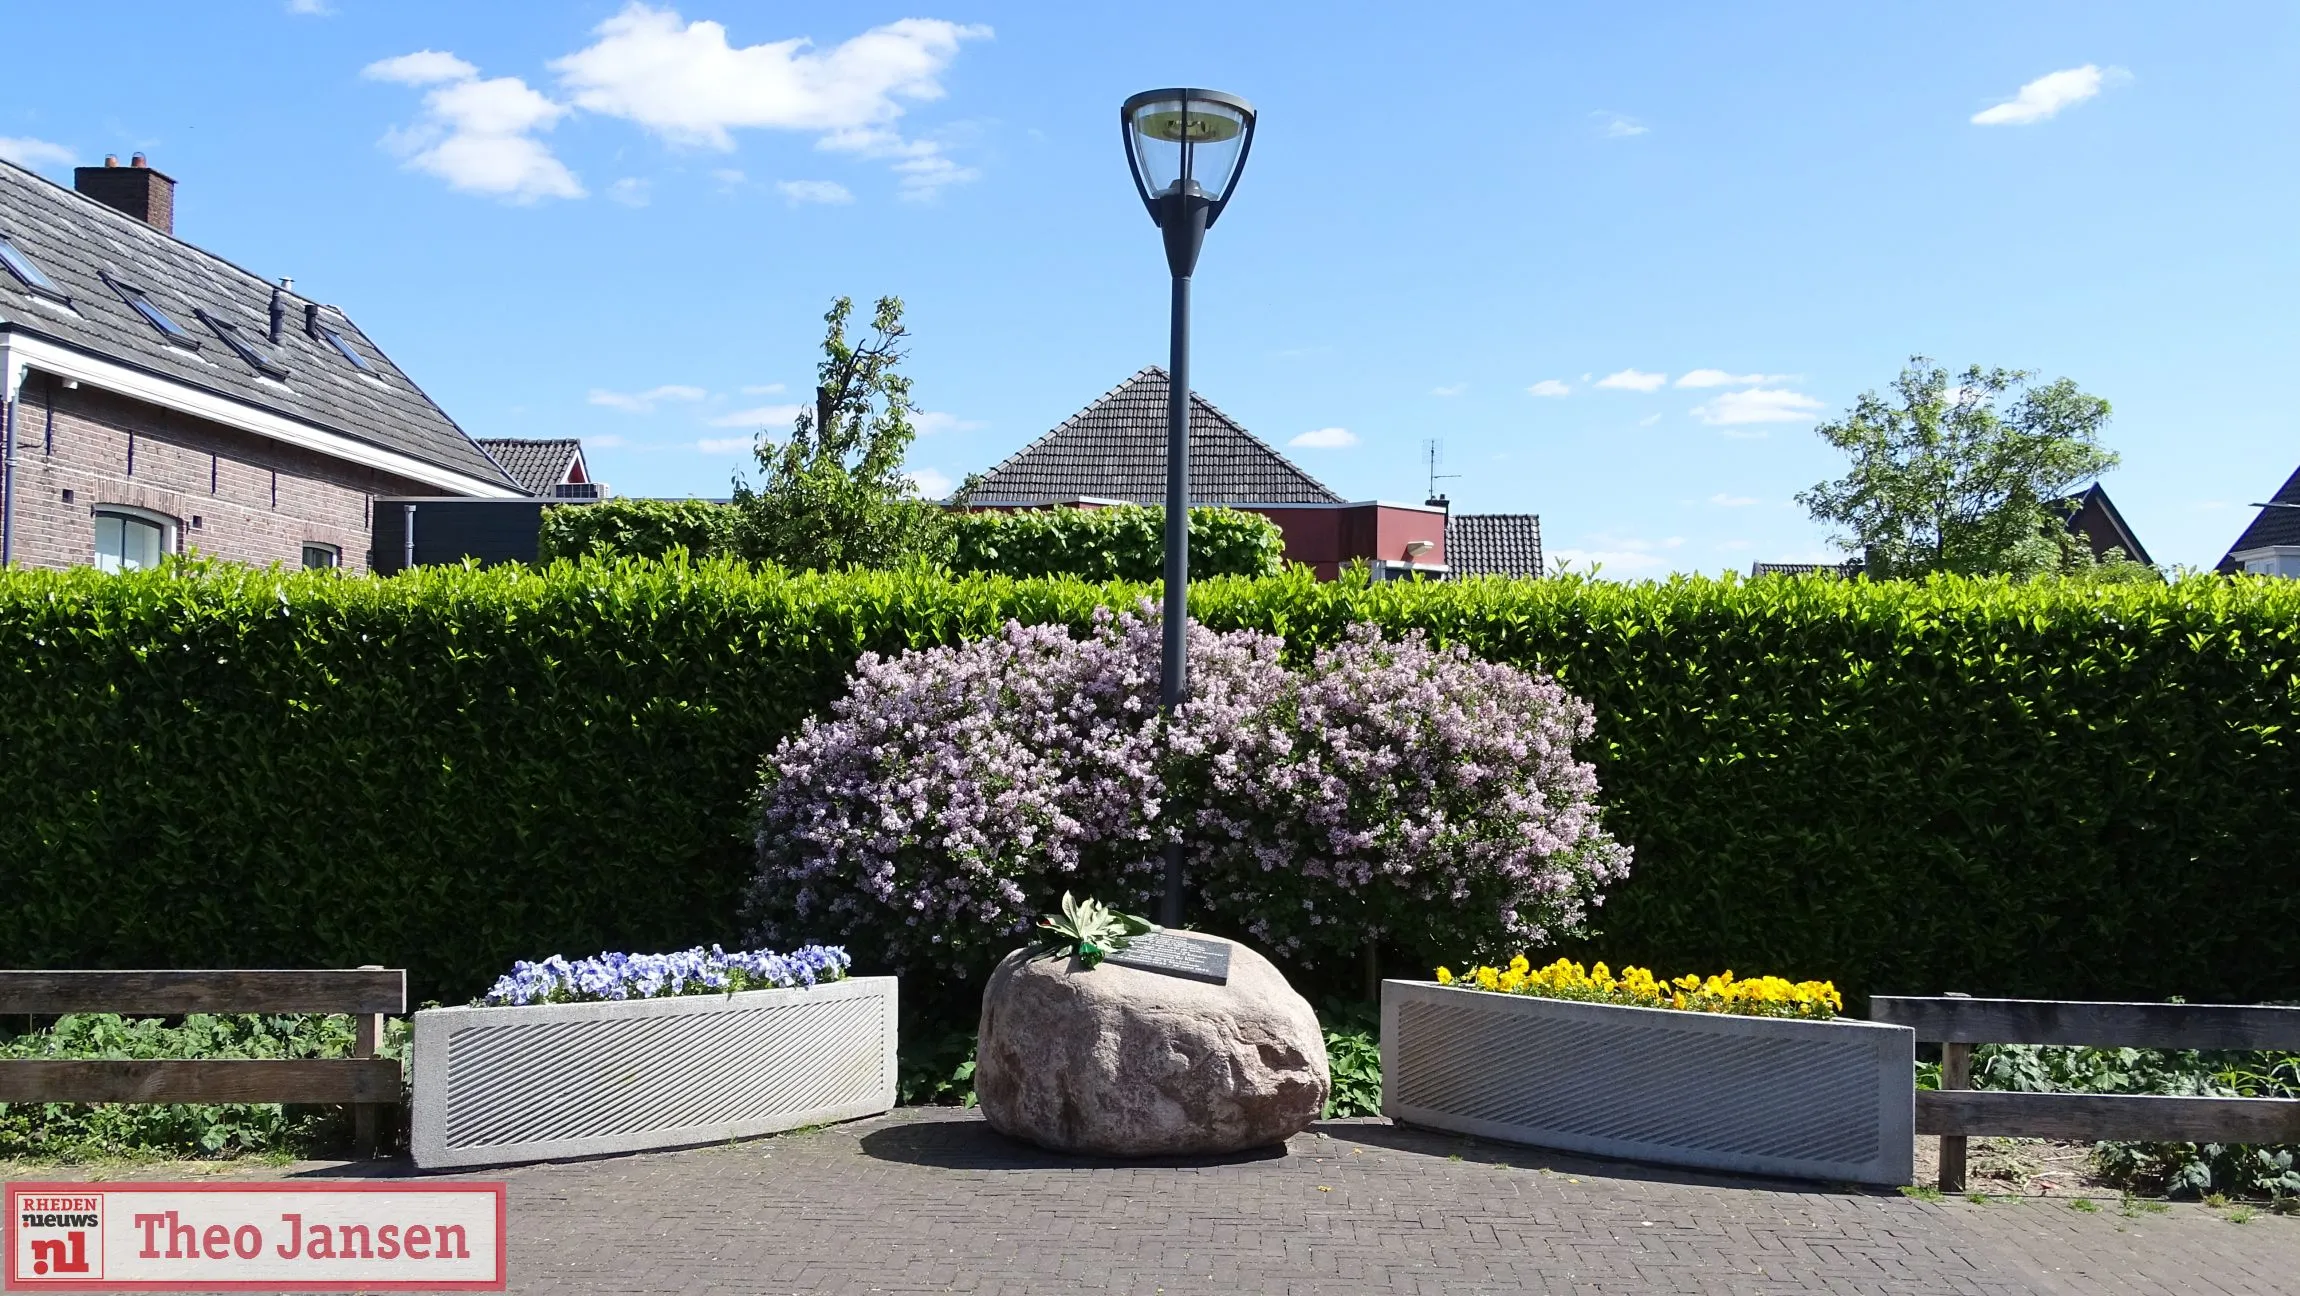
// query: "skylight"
[[25, 269], [337, 341], [247, 348], [152, 314]]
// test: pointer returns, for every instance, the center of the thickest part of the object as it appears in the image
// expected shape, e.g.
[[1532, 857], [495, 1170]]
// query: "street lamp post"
[[1186, 148]]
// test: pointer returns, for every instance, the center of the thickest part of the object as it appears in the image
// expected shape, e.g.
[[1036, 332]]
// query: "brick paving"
[[932, 1201]]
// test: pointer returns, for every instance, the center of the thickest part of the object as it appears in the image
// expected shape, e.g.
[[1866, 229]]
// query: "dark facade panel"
[[450, 530]]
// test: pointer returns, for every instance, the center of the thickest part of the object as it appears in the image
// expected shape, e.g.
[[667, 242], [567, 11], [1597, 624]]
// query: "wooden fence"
[[1957, 1111], [365, 1082]]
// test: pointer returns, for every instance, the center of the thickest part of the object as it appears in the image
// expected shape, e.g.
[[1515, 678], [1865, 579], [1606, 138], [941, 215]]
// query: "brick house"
[[1114, 452], [159, 399]]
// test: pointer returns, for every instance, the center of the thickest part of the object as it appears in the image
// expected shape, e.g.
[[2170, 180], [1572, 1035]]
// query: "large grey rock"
[[1121, 1062]]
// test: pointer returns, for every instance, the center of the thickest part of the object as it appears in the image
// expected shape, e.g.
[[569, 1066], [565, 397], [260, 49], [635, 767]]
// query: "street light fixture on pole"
[[1186, 148]]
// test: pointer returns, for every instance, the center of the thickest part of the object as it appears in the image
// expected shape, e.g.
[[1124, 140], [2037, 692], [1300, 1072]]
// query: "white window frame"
[[334, 549], [170, 529]]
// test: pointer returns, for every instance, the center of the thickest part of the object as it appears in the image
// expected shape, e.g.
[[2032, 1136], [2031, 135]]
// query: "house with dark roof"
[[2271, 545], [159, 399], [1114, 452], [2093, 516], [1493, 544], [549, 469]]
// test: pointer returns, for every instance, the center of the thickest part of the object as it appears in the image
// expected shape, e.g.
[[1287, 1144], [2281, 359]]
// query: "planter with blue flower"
[[626, 1052]]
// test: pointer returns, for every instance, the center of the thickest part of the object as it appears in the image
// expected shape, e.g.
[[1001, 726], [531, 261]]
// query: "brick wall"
[[231, 494]]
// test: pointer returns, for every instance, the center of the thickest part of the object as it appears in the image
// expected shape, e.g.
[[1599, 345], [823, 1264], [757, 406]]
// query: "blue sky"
[[1617, 258]]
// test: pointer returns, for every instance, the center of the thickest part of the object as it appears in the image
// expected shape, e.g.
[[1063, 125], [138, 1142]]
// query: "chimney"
[[135, 189], [279, 313]]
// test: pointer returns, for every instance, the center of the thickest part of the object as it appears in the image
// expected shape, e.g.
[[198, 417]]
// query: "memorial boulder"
[[1172, 1045]]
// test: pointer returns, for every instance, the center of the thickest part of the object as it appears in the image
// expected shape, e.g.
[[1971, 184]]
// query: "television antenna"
[[1433, 454]]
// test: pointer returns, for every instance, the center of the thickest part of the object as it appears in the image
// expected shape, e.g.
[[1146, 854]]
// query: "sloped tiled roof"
[[2274, 526], [536, 465], [1493, 544], [1115, 449], [1844, 569], [75, 240]]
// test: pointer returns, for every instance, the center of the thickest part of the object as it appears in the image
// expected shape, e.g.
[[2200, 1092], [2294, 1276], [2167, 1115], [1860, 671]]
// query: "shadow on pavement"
[[1439, 1143], [973, 1145]]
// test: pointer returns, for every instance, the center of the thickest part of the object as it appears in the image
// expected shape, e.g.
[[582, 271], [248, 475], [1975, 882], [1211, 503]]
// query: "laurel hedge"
[[1956, 785], [1116, 542]]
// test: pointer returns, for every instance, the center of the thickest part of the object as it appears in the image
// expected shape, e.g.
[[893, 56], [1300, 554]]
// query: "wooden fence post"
[[367, 1033], [1956, 1073]]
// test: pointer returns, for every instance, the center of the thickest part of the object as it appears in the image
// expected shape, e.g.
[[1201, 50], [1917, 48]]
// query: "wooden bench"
[[1956, 1110], [366, 1083]]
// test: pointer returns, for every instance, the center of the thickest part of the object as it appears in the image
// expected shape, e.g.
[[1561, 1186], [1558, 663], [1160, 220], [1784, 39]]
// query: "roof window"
[[350, 352], [25, 269], [259, 359], [152, 314]]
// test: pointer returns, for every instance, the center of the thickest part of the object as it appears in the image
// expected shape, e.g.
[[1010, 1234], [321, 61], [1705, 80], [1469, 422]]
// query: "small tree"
[[1958, 475], [834, 494]]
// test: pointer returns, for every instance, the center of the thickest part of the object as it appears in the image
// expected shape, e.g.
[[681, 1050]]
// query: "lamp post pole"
[[1186, 148]]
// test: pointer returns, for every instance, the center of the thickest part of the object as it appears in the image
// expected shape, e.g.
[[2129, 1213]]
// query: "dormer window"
[[28, 272], [152, 314], [247, 348]]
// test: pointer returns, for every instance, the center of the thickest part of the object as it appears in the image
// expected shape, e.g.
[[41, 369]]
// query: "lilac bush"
[[1403, 794], [654, 976], [1388, 791]]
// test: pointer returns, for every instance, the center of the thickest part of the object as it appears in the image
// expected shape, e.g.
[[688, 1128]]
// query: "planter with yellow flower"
[[1757, 1077]]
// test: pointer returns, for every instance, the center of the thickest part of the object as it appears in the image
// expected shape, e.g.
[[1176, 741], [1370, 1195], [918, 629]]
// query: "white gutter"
[[19, 352]]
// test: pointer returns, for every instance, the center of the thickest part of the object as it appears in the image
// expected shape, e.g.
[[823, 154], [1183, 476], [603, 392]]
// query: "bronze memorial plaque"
[[1175, 954]]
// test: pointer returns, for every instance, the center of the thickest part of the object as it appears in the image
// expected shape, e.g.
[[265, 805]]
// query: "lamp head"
[[1186, 148]]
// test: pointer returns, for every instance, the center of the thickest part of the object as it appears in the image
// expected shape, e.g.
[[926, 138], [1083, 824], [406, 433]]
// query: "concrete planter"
[[501, 1085], [1754, 1095]]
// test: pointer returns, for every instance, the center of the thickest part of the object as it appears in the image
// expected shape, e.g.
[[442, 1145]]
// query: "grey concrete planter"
[[501, 1085], [1755, 1095]]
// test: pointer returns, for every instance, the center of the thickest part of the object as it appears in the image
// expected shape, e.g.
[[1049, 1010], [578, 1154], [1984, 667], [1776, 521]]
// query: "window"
[[259, 358], [316, 556], [350, 353], [25, 269], [130, 541], [152, 314]]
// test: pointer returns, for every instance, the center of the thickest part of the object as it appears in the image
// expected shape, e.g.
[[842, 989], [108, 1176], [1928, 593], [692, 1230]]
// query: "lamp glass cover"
[[1193, 143]]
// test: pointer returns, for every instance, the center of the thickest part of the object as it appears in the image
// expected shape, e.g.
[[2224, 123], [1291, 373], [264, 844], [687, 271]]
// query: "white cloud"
[[1722, 500], [1649, 420], [758, 416], [764, 389], [729, 178], [1758, 405], [311, 8], [423, 67], [1454, 390], [2043, 98], [1720, 378], [929, 422], [629, 191], [477, 135], [930, 483], [814, 191], [1613, 125], [1550, 387], [644, 402], [33, 154], [1633, 380], [724, 445], [687, 83], [1332, 438]]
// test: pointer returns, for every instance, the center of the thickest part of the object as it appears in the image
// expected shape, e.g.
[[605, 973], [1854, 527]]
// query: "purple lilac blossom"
[[1389, 790], [653, 976]]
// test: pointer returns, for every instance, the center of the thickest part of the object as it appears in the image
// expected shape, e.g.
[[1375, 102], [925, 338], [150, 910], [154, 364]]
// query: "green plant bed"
[[81, 1132]]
